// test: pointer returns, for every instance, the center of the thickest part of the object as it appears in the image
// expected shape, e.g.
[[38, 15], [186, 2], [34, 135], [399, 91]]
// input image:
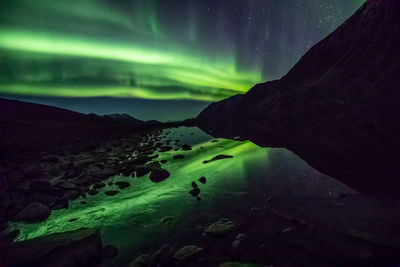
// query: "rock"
[[158, 175], [163, 161], [109, 251], [72, 220], [239, 241], [187, 253], [254, 209], [186, 147], [141, 261], [202, 180], [220, 228], [214, 141], [142, 170], [111, 192], [34, 212], [194, 192], [162, 256], [165, 148], [93, 192], [167, 220], [178, 157], [219, 157], [60, 204], [82, 247], [288, 229], [122, 184], [40, 186], [71, 194], [100, 173], [66, 185], [194, 185]]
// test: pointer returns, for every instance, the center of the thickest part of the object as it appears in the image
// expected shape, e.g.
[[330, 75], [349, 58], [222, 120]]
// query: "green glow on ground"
[[139, 205]]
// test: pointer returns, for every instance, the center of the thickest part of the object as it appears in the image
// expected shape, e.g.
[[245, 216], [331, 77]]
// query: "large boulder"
[[162, 256], [82, 247], [220, 228], [159, 174], [34, 212], [187, 253]]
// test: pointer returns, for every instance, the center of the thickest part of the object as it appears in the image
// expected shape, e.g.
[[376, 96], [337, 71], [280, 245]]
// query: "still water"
[[133, 219]]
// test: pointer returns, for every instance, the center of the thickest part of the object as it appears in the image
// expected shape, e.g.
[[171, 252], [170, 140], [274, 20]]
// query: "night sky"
[[154, 59]]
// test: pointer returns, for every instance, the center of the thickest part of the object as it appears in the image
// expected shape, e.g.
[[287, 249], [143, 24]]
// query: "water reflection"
[[133, 219]]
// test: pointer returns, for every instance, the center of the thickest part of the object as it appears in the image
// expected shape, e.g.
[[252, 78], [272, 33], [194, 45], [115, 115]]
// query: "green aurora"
[[153, 49]]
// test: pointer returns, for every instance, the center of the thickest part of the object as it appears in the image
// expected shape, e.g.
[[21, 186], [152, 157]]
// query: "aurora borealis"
[[156, 49]]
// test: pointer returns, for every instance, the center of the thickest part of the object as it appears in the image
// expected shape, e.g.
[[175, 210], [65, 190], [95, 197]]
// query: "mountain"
[[355, 69], [338, 108], [29, 129], [123, 118]]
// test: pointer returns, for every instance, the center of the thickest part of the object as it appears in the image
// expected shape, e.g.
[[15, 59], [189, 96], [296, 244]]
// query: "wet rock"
[[109, 251], [187, 253], [254, 210], [82, 247], [238, 242], [154, 164], [60, 204], [158, 175], [111, 192], [202, 180], [66, 185], [167, 220], [220, 228], [286, 230], [370, 238], [178, 157], [93, 192], [219, 157], [165, 148], [162, 257], [71, 194], [97, 172], [195, 192], [34, 212], [122, 184], [186, 147], [141, 261], [142, 170]]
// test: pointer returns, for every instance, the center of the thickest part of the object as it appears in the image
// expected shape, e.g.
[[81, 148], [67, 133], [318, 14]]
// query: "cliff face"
[[338, 108], [355, 69]]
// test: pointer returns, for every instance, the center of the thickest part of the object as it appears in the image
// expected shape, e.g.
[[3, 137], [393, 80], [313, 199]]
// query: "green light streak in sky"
[[206, 80]]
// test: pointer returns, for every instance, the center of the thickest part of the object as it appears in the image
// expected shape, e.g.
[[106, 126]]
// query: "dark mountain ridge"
[[354, 69]]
